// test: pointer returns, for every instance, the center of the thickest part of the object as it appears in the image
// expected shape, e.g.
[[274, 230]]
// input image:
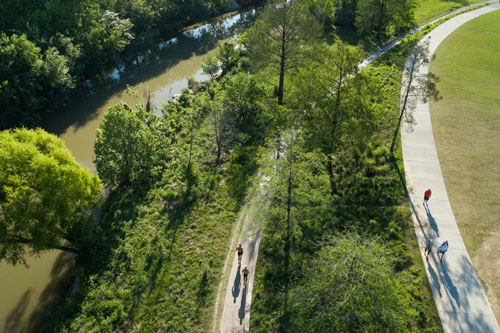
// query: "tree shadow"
[[61, 276], [15, 320], [236, 285], [449, 285], [202, 292]]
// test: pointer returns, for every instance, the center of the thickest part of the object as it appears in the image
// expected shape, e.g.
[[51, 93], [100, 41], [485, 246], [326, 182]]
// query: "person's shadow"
[[434, 277], [449, 284], [241, 311], [236, 285], [432, 221]]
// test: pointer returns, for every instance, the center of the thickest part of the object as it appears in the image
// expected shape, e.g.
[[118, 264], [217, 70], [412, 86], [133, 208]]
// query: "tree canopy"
[[277, 38], [45, 195], [131, 146], [351, 286]]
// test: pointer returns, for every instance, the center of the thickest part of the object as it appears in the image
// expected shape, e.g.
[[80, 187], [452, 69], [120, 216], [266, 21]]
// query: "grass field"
[[466, 125], [429, 9]]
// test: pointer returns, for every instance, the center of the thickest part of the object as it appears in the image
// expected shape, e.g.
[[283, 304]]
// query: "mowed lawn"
[[466, 124], [429, 9]]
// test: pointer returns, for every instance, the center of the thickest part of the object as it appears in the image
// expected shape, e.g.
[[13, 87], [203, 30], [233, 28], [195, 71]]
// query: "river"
[[25, 293]]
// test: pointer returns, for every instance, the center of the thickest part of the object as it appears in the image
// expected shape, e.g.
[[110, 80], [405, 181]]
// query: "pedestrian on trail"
[[239, 249], [428, 247], [427, 195], [245, 272], [442, 249]]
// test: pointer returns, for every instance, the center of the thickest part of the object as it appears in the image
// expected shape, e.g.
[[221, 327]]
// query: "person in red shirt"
[[427, 195]]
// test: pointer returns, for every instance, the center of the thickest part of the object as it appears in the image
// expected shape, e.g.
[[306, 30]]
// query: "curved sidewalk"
[[457, 291]]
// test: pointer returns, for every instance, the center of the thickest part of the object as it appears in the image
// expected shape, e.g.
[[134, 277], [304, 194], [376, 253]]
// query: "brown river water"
[[26, 293]]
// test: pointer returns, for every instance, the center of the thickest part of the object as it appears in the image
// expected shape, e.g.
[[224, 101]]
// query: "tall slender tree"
[[415, 86], [277, 39]]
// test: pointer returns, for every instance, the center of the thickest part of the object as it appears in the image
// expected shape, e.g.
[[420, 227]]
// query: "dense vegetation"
[[177, 183], [47, 48], [50, 48], [45, 196]]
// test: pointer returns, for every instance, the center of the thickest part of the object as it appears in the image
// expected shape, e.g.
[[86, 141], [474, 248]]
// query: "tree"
[[342, 290], [278, 37], [246, 100], [105, 36], [45, 195], [223, 125], [131, 146], [225, 55], [210, 67], [415, 86], [30, 79], [338, 105], [378, 15]]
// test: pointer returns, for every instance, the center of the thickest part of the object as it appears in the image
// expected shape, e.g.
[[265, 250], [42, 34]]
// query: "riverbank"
[[28, 292]]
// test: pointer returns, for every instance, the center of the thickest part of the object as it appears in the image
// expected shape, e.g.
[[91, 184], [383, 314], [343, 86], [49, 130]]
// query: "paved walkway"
[[237, 303], [457, 291]]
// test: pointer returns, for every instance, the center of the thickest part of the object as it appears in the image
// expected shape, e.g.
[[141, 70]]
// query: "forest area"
[[51, 48], [337, 221]]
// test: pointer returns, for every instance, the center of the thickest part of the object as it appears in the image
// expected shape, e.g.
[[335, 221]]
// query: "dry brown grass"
[[466, 126]]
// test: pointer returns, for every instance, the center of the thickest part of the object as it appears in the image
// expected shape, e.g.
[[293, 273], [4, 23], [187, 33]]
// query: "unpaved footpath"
[[460, 299]]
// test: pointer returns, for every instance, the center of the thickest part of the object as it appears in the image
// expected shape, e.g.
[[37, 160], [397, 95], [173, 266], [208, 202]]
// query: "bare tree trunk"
[[282, 65], [191, 148], [21, 240], [405, 103]]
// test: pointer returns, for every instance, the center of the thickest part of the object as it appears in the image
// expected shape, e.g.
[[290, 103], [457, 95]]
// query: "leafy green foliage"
[[48, 46], [277, 38], [210, 66], [351, 286], [379, 15], [30, 78], [45, 195], [131, 146]]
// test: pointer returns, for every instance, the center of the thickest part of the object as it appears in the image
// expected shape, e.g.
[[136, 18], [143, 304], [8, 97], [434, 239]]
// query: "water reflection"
[[27, 314], [163, 73]]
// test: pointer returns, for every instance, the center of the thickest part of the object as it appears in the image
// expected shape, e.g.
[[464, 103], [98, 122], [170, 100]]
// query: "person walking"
[[428, 247], [239, 249], [245, 272], [427, 195], [442, 250]]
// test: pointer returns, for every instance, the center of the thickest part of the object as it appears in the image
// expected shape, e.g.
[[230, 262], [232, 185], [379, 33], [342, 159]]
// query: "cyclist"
[[245, 272], [239, 249]]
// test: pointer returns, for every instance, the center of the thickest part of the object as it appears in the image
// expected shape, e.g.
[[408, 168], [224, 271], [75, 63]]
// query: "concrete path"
[[371, 58], [237, 303], [457, 291]]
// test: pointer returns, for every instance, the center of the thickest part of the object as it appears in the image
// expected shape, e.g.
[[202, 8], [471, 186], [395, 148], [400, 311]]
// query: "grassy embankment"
[[163, 247], [466, 124], [428, 9]]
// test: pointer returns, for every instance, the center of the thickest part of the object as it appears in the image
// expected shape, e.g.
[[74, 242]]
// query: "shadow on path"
[[434, 277], [449, 285], [241, 311], [236, 285], [432, 221]]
